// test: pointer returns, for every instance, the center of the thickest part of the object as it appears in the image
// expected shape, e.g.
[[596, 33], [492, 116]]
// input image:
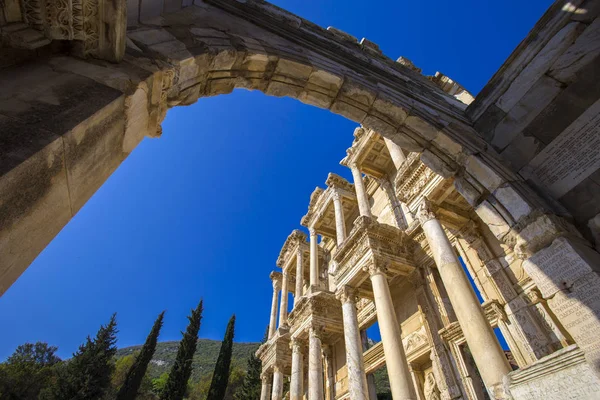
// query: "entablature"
[[320, 309], [371, 243], [276, 351], [370, 154]]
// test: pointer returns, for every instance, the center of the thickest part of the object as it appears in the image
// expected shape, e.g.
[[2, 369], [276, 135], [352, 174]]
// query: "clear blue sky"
[[204, 210]]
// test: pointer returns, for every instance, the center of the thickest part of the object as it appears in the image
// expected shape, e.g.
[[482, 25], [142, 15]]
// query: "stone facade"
[[504, 186]]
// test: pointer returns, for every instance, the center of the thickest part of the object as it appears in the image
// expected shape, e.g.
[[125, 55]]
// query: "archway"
[[206, 51], [89, 115]]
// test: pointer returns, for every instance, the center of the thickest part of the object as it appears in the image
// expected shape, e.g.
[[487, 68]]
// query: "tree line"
[[35, 372]]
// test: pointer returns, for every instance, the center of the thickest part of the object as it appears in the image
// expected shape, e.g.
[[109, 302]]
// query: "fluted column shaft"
[[483, 344], [340, 225], [370, 378], [265, 388], [283, 306], [299, 277], [297, 378], [396, 153], [273, 319], [361, 193], [395, 358], [355, 363], [315, 365], [277, 384], [314, 258]]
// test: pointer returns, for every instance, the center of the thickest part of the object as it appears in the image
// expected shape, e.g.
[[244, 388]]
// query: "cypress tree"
[[136, 373], [87, 375], [252, 385], [182, 369], [220, 379]]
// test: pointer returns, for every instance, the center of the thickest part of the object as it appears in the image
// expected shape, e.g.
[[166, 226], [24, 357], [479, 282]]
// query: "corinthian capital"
[[425, 212], [347, 293], [375, 269], [297, 345], [312, 231], [276, 278]]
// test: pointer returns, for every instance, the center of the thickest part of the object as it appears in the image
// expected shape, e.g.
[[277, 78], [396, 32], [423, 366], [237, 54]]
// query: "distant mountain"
[[205, 358]]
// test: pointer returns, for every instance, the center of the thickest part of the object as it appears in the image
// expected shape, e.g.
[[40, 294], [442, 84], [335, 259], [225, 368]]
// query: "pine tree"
[[252, 385], [182, 369], [87, 375], [220, 379], [136, 373]]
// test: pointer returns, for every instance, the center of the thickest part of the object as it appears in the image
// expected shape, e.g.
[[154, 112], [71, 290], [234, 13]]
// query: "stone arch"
[[213, 47]]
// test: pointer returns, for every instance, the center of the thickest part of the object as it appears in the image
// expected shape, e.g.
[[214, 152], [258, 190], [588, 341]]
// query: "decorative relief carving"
[[431, 388], [425, 212], [65, 20]]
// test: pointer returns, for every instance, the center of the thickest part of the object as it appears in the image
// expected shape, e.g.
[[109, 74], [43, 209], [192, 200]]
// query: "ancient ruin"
[[506, 184]]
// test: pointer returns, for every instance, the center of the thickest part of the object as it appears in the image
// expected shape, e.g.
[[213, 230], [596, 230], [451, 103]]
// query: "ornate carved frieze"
[[412, 178], [317, 309], [372, 245], [83, 21]]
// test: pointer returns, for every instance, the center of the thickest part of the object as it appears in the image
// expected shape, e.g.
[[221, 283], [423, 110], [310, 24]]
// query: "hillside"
[[205, 358]]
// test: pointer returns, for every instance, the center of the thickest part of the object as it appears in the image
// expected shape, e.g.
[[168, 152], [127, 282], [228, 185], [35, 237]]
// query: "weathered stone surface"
[[571, 157], [539, 65], [492, 218], [484, 174], [585, 49], [525, 111], [560, 376]]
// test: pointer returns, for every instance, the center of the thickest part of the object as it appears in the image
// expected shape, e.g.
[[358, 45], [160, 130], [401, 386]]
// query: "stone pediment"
[[297, 239]]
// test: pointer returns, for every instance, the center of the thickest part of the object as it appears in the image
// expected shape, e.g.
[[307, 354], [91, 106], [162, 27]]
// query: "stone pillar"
[[277, 383], [487, 353], [297, 378], [393, 349], [283, 306], [329, 373], [361, 193], [315, 365], [299, 277], [357, 380], [273, 320], [396, 153], [370, 377], [395, 204], [266, 387], [340, 225], [314, 258]]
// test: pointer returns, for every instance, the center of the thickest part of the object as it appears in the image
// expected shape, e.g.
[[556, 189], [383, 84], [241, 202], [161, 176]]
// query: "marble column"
[[277, 384], [393, 349], [329, 373], [395, 204], [361, 193], [299, 277], [297, 378], [315, 365], [340, 225], [396, 153], [370, 377], [283, 306], [355, 363], [273, 320], [314, 258], [483, 344], [266, 387]]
